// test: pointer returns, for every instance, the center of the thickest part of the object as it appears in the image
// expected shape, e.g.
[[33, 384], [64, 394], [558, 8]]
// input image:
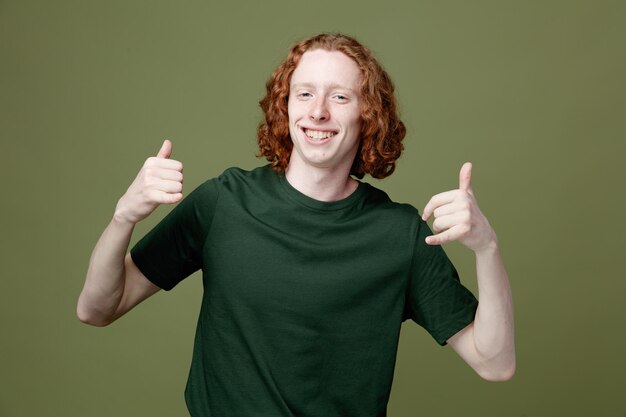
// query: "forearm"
[[493, 324], [105, 280]]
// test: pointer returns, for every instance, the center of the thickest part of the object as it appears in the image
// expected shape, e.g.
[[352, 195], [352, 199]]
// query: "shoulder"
[[233, 176], [236, 183], [239, 175], [380, 199], [398, 219]]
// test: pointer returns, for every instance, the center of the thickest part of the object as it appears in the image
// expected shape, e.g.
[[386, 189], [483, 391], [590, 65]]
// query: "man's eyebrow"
[[333, 86]]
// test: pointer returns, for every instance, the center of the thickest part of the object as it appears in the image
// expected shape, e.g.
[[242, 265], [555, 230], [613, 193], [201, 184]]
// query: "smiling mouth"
[[319, 135]]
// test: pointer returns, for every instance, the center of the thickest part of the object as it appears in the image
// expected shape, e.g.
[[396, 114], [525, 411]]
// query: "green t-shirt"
[[303, 300]]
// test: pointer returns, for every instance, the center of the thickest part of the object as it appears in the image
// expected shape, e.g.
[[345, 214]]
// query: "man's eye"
[[304, 95], [340, 97]]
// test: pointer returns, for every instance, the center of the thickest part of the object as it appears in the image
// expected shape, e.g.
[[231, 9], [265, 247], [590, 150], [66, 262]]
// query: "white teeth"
[[317, 134]]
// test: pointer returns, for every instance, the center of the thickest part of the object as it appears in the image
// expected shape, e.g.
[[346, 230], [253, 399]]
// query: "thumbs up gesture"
[[160, 181], [457, 216]]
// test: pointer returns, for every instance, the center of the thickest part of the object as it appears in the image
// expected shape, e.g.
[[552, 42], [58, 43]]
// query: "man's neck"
[[321, 184]]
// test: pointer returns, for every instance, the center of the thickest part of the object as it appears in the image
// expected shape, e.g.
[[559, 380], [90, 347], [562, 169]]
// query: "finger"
[[161, 197], [447, 222], [175, 198], [442, 238], [454, 207], [437, 201], [166, 149], [168, 186], [465, 177], [157, 162], [168, 174]]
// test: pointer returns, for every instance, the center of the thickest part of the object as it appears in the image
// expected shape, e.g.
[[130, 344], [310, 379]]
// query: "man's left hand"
[[457, 216]]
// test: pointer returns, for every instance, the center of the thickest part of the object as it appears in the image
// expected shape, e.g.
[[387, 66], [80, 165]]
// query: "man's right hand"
[[160, 181]]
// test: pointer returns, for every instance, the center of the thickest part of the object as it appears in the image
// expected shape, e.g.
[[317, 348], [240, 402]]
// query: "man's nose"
[[319, 111]]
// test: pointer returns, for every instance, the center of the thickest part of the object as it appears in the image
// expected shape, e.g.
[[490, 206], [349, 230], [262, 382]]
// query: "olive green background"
[[533, 93]]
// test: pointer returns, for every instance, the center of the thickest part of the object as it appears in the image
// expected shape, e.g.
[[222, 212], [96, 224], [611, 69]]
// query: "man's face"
[[324, 111]]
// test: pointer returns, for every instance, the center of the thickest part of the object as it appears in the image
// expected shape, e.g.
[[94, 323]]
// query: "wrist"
[[488, 248], [121, 220]]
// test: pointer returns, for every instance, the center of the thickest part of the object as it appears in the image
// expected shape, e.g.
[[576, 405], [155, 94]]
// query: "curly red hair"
[[382, 130]]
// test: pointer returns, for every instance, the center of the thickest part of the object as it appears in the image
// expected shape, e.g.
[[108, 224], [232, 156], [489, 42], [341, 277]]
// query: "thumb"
[[166, 149], [465, 177]]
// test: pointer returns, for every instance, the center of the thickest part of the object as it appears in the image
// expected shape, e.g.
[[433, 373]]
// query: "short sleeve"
[[436, 299], [172, 250]]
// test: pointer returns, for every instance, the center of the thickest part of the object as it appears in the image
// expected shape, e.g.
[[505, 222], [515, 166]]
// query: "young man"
[[308, 273]]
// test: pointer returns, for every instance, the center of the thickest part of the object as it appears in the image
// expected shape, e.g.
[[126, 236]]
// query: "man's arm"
[[487, 344], [114, 284]]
